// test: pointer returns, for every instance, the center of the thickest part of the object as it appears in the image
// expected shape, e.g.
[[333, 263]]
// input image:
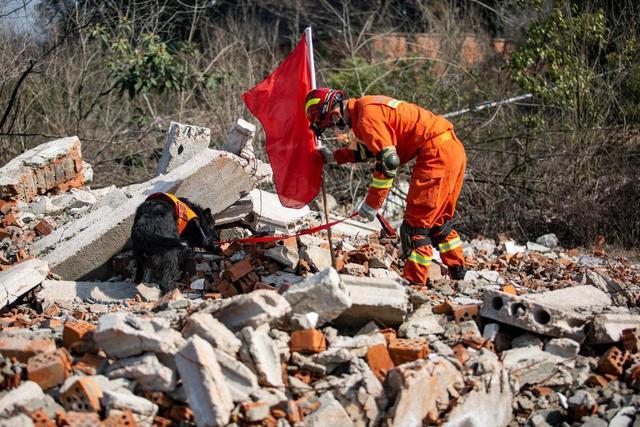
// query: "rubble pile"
[[271, 334]]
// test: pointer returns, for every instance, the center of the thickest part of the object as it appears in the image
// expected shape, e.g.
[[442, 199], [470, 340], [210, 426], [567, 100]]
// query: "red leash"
[[312, 230]]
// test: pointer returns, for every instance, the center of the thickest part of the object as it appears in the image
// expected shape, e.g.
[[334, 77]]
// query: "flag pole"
[[312, 72]]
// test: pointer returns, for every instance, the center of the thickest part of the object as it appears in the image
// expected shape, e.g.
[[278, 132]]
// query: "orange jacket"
[[380, 121], [183, 212]]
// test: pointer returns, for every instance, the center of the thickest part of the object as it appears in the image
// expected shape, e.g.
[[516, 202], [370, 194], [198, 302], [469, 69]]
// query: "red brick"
[[4, 233], [379, 360], [6, 206], [41, 419], [443, 308], [46, 226], [23, 348], [460, 353], [308, 341], [404, 350], [596, 380], [465, 312], [612, 362], [12, 219], [49, 369], [509, 289], [226, 288], [631, 340], [75, 331], [91, 363], [121, 419], [78, 419], [240, 269], [83, 396], [180, 413]]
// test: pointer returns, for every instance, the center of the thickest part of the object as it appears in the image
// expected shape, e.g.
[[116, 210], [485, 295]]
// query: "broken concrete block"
[[258, 307], [261, 352], [330, 413], [183, 143], [149, 373], [55, 164], [488, 403], [269, 212], [142, 409], [561, 313], [84, 248], [321, 293], [421, 389], [27, 391], [318, 257], [285, 252], [381, 300], [563, 347], [526, 340], [607, 328], [20, 279], [207, 390], [531, 365], [421, 323], [535, 247], [240, 379], [240, 136], [123, 335], [383, 273], [213, 331], [548, 240], [99, 292]]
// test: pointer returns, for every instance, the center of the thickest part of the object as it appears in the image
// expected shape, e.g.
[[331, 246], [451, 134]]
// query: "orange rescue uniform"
[[436, 181]]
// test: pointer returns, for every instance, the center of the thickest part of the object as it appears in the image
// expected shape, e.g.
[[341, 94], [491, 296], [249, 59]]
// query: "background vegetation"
[[116, 72]]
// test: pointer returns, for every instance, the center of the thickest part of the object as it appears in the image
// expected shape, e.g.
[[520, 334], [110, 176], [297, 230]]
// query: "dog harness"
[[183, 212]]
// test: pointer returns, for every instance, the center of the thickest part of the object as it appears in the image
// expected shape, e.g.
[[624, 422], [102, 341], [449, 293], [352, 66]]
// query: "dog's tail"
[[155, 243]]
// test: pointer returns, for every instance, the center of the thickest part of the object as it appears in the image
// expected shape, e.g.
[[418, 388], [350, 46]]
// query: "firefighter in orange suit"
[[393, 132]]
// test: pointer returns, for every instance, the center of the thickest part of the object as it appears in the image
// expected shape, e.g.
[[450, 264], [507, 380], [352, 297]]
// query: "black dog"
[[155, 235]]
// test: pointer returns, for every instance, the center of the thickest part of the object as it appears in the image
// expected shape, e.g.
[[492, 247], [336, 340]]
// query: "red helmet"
[[318, 104]]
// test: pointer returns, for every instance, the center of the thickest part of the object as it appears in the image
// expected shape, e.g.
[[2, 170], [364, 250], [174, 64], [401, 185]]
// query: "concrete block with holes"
[[560, 313], [183, 143]]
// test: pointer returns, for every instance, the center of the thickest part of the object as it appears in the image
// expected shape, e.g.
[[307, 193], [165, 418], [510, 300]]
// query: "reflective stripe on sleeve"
[[381, 183], [393, 103]]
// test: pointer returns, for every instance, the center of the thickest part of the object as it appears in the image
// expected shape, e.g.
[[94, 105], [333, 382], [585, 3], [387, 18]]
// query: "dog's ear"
[[207, 212]]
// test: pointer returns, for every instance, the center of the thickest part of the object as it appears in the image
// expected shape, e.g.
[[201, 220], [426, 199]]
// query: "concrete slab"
[[213, 331], [100, 292], [261, 352], [183, 143], [20, 279], [607, 328], [382, 300], [254, 309], [562, 313], [214, 179], [269, 211]]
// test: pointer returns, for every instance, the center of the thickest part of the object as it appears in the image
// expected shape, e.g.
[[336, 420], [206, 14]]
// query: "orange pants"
[[436, 182]]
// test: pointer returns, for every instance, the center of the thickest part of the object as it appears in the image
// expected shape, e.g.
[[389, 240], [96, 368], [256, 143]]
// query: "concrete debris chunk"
[[421, 323], [261, 352], [285, 252], [382, 300], [532, 365], [213, 331], [55, 164], [607, 328], [207, 390], [560, 313], [123, 335], [100, 292], [240, 379], [183, 143], [240, 136], [143, 410], [322, 293], [258, 307], [562, 347], [489, 402], [147, 370], [423, 388], [27, 391], [330, 413], [20, 279]]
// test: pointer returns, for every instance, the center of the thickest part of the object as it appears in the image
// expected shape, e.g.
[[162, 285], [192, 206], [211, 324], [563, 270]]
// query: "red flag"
[[278, 102]]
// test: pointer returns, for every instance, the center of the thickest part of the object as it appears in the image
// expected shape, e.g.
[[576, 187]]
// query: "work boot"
[[457, 272]]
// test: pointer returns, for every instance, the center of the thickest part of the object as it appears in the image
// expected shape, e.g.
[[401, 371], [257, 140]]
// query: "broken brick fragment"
[[631, 340], [460, 352], [41, 419], [612, 362], [404, 350], [379, 361], [91, 363], [308, 341], [83, 396], [77, 419], [49, 369], [120, 419], [226, 288], [75, 331], [462, 313], [442, 308], [240, 269], [596, 380], [22, 348], [46, 226]]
